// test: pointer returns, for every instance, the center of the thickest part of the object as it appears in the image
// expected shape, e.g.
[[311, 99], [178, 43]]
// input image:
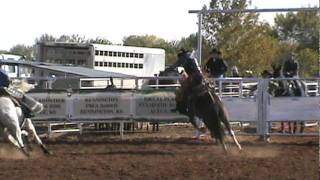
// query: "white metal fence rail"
[[258, 108]]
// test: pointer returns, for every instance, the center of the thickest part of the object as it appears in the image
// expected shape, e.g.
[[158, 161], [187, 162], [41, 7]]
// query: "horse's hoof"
[[45, 150], [25, 152], [48, 153]]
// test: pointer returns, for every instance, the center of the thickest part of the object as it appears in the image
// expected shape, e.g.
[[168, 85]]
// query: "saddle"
[[14, 95], [28, 105], [199, 90]]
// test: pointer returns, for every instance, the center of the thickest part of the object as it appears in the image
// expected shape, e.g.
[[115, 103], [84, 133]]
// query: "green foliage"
[[74, 38], [99, 40], [217, 22], [23, 50], [3, 52], [248, 47], [252, 45], [243, 40], [46, 38], [301, 28], [299, 34], [309, 62], [152, 41]]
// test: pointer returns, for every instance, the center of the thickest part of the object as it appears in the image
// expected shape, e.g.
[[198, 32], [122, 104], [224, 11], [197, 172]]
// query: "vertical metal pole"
[[199, 48], [319, 45]]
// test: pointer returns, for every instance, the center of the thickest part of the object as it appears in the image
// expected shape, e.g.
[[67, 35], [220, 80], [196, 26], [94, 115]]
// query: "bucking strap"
[[13, 92]]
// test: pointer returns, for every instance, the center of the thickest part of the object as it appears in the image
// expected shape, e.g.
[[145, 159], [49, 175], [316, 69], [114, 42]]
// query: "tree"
[[152, 41], [308, 60], [191, 42], [301, 28], [23, 50], [46, 38], [242, 39], [216, 22], [74, 38], [248, 47], [300, 31], [99, 40]]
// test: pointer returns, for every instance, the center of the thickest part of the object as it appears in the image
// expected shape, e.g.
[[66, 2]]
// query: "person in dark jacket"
[[215, 66], [290, 68], [4, 79]]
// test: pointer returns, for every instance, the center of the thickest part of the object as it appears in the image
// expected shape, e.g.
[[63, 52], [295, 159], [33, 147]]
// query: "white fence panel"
[[294, 108], [241, 109]]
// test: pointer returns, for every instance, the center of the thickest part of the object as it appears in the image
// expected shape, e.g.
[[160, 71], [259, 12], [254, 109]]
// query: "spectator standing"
[[215, 66]]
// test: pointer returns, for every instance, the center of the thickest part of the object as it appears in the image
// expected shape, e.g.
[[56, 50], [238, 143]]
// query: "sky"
[[22, 21]]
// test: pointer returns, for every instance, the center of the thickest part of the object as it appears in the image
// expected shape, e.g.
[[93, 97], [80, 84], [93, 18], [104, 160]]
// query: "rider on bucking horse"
[[195, 78], [190, 66]]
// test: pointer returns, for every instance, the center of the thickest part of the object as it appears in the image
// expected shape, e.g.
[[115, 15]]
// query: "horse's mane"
[[22, 85]]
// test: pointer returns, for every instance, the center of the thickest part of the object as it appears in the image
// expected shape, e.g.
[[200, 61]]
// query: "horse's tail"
[[224, 117]]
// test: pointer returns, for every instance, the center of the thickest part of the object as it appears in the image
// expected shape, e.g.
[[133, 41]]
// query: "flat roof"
[[75, 70]]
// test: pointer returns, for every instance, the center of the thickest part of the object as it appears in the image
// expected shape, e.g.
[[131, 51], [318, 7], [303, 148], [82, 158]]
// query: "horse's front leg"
[[30, 128], [16, 140]]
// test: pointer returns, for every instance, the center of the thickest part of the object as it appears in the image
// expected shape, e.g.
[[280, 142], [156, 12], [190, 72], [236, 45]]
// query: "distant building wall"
[[65, 53]]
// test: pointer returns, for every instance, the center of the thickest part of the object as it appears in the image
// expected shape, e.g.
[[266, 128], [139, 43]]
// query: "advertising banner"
[[156, 106], [106, 105], [54, 104]]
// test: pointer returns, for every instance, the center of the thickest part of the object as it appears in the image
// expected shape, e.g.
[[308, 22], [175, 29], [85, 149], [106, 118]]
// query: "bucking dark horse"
[[195, 98]]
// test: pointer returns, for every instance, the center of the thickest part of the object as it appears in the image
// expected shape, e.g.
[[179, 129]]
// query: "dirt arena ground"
[[169, 154]]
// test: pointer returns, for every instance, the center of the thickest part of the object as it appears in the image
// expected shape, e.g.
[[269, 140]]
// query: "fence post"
[[263, 101]]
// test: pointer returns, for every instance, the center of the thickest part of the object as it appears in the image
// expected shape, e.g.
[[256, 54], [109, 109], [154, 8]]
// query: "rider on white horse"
[[4, 84]]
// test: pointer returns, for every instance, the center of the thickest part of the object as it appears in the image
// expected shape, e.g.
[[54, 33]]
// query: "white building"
[[14, 71], [136, 61]]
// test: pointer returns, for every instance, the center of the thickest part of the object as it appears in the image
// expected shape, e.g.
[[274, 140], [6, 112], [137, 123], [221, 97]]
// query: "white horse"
[[14, 125]]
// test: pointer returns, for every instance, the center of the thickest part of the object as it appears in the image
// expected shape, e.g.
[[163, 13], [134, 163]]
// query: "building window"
[[97, 52], [106, 53], [114, 64], [81, 62], [118, 64], [110, 53], [71, 61], [119, 54], [100, 64], [140, 55], [140, 66], [101, 53], [105, 64], [110, 64], [131, 55], [131, 65], [96, 63], [136, 55], [127, 65], [127, 54], [122, 65], [136, 66], [123, 54], [115, 54]]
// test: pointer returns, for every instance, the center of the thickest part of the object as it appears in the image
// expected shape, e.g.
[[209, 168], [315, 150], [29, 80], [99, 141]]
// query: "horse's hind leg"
[[32, 131], [226, 123], [231, 132]]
